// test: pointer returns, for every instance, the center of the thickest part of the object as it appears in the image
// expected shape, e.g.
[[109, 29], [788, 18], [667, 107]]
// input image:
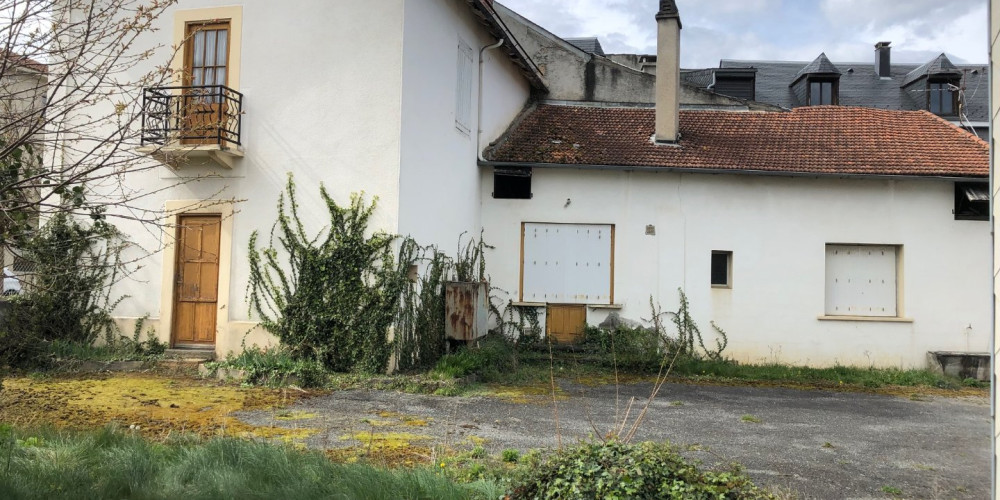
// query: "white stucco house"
[[820, 236], [387, 98]]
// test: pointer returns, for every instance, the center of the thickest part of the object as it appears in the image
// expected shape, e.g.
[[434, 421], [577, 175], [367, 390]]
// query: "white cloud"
[[776, 29]]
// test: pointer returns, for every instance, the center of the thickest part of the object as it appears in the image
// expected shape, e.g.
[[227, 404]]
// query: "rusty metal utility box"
[[466, 310]]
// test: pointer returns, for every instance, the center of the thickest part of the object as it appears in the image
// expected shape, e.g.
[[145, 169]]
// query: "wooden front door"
[[565, 322], [196, 279], [206, 70]]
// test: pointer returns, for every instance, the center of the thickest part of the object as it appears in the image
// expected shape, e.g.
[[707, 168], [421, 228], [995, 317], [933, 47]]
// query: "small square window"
[[512, 183], [942, 99], [722, 269], [972, 201]]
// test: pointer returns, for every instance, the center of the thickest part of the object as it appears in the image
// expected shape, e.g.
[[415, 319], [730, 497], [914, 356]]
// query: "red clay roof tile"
[[815, 139]]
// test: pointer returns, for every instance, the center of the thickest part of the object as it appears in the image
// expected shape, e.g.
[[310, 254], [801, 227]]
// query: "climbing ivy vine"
[[332, 296]]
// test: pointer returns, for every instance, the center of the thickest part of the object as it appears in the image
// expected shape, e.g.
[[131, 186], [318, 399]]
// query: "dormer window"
[[822, 92], [818, 83], [942, 96]]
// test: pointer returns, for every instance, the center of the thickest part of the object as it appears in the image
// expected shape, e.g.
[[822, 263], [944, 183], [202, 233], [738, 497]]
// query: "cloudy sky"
[[776, 29]]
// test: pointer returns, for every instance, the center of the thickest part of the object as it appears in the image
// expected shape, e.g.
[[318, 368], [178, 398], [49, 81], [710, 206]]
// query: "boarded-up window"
[[567, 263], [463, 94], [861, 280]]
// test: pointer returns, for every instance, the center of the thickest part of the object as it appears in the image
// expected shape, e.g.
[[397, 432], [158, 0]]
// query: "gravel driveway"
[[817, 444]]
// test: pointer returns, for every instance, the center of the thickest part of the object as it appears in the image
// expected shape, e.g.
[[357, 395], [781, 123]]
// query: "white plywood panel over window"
[[567, 263], [861, 280]]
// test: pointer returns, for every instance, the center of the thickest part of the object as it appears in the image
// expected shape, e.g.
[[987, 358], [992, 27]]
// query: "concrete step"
[[190, 355]]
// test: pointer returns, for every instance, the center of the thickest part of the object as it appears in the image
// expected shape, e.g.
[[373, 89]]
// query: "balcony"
[[182, 124]]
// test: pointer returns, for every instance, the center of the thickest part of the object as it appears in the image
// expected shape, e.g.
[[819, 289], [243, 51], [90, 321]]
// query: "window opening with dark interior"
[[512, 183], [972, 201], [721, 268]]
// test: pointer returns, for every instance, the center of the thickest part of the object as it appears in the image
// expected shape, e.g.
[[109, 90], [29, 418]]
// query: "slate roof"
[[831, 140], [940, 65], [861, 86], [590, 44], [820, 66]]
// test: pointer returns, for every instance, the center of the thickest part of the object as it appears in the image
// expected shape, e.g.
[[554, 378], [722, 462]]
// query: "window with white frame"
[[463, 92], [862, 280]]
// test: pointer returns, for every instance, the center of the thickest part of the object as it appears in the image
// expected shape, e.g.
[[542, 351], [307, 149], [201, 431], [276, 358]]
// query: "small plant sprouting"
[[751, 419], [827, 445], [510, 455], [892, 490]]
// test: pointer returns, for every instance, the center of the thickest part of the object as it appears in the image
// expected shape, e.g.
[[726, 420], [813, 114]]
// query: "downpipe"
[[479, 106]]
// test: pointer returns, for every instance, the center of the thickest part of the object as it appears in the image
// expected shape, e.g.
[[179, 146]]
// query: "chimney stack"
[[882, 60], [668, 72]]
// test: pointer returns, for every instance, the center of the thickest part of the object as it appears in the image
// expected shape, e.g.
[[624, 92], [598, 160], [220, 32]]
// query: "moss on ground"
[[156, 406]]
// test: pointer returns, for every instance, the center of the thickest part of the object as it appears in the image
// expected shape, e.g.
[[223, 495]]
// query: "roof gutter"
[[720, 171]]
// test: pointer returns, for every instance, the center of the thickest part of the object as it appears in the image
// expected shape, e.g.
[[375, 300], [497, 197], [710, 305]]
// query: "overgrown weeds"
[[272, 367], [67, 297], [645, 470], [329, 297]]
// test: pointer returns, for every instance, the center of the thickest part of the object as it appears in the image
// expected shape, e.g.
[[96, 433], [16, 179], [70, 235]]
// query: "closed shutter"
[[861, 280], [463, 95], [567, 263]]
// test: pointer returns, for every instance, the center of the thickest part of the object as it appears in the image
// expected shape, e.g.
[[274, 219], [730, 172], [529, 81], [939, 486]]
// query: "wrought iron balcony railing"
[[192, 115]]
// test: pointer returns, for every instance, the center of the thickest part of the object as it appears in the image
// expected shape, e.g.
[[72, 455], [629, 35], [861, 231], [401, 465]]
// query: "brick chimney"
[[668, 72], [882, 68]]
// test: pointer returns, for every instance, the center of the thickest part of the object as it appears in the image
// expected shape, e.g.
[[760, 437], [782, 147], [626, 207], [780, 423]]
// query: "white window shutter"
[[463, 94]]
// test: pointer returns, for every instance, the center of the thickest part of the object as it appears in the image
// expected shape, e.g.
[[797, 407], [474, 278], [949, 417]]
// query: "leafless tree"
[[70, 108]]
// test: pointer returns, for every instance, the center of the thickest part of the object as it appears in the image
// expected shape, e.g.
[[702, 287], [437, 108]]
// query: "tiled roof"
[[817, 139], [18, 61]]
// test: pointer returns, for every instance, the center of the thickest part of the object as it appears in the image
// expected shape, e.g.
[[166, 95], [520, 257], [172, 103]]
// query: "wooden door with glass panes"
[[206, 71], [196, 279]]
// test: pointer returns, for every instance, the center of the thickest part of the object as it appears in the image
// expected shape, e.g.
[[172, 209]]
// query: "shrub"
[[644, 470], [631, 347], [273, 367], [494, 355], [510, 455], [68, 297], [331, 297]]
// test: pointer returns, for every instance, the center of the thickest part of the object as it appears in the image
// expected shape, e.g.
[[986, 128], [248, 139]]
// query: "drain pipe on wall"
[[479, 109]]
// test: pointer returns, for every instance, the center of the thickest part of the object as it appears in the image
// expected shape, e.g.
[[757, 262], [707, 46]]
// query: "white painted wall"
[[322, 99], [777, 229], [439, 179]]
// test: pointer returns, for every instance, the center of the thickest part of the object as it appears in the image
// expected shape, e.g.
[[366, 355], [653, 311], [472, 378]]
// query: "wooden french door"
[[565, 322], [206, 68], [196, 279]]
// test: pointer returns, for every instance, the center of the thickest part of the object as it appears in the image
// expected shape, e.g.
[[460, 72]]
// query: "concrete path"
[[815, 444]]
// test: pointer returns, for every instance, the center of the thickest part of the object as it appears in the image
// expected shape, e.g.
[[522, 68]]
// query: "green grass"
[[534, 367], [115, 464], [122, 350]]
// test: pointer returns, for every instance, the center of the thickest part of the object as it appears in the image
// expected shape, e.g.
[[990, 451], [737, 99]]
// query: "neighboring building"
[[23, 86], [392, 110], [957, 93], [821, 236], [576, 69]]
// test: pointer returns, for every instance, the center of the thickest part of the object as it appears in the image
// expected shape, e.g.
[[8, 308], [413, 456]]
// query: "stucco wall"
[[777, 229], [322, 100], [439, 179]]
